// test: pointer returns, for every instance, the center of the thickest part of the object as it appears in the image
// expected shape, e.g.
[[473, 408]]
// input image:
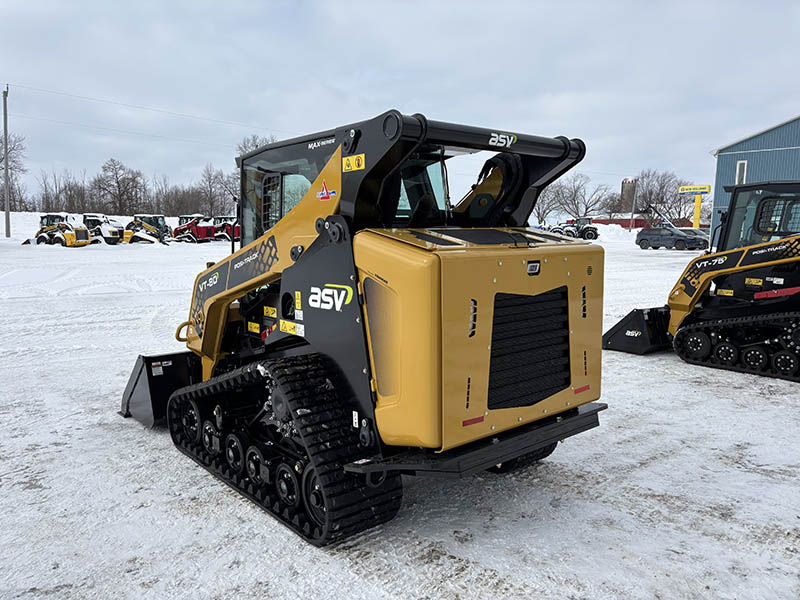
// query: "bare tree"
[[547, 202], [212, 193], [51, 192], [613, 205], [575, 198], [16, 167], [75, 193], [660, 190], [121, 189], [253, 141]]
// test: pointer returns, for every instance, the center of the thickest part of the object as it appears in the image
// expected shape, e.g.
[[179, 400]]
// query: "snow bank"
[[616, 233]]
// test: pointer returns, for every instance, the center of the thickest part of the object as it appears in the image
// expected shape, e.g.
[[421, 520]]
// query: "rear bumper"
[[485, 453]]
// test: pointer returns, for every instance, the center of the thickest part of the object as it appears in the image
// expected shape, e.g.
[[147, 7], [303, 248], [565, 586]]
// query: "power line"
[[122, 131], [149, 108]]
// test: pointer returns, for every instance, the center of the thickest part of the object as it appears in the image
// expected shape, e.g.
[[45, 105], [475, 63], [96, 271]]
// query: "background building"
[[769, 155]]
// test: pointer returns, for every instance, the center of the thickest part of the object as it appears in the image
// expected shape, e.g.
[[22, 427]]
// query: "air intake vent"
[[473, 317], [529, 358]]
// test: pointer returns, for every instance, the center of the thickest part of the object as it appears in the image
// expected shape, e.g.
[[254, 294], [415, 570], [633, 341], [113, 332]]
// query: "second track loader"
[[367, 328], [737, 308]]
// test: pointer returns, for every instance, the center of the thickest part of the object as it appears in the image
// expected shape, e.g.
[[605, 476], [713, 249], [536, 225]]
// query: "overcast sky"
[[644, 84]]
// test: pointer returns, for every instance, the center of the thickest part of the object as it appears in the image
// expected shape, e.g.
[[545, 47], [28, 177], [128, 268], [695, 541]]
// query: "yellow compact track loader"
[[737, 308], [61, 229], [368, 328]]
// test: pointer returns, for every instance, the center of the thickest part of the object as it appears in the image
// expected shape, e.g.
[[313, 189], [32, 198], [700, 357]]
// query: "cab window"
[[762, 215]]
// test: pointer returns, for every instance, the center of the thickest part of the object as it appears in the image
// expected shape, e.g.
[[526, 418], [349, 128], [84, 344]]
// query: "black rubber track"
[[745, 328], [326, 432]]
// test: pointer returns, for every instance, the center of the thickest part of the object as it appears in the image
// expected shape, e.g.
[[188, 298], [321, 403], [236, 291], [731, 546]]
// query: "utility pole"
[[5, 161]]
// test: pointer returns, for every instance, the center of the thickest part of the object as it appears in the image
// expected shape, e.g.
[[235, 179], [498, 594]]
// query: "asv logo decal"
[[502, 139], [331, 297], [633, 333]]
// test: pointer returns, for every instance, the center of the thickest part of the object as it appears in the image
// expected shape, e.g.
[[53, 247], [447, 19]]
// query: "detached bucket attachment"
[[641, 331], [152, 382]]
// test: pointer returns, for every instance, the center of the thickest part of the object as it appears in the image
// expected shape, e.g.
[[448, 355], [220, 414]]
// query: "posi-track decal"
[[256, 261], [778, 250]]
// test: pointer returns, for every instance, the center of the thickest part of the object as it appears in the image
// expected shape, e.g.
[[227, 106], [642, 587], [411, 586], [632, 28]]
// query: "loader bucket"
[[641, 331], [153, 380]]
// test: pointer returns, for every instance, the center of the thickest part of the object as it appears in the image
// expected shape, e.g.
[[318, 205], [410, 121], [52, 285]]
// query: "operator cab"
[[761, 212], [415, 195], [51, 219]]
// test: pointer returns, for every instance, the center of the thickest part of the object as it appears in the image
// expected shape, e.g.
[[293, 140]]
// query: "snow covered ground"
[[690, 488]]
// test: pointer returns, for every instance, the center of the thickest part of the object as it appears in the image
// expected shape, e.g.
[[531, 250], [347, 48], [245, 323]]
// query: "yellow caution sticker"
[[253, 327], [271, 311], [724, 292], [353, 163], [753, 281], [298, 304], [293, 328]]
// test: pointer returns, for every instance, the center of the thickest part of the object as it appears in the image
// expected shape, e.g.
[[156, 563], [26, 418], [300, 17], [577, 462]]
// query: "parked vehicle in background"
[[193, 228], [61, 229], [101, 228], [582, 228], [225, 227], [147, 228], [666, 236], [696, 232]]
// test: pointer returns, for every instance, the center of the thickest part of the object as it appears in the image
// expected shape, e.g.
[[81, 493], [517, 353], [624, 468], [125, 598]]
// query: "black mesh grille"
[[530, 348], [81, 235]]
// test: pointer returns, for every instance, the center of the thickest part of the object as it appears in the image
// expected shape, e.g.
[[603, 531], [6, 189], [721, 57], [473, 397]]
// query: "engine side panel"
[[430, 300], [508, 336]]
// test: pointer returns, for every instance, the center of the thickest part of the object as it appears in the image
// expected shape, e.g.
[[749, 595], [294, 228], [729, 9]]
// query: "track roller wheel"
[[234, 453], [287, 486], [184, 419], [755, 358], [796, 336], [785, 362], [253, 461], [698, 345], [210, 435], [313, 497], [726, 353]]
